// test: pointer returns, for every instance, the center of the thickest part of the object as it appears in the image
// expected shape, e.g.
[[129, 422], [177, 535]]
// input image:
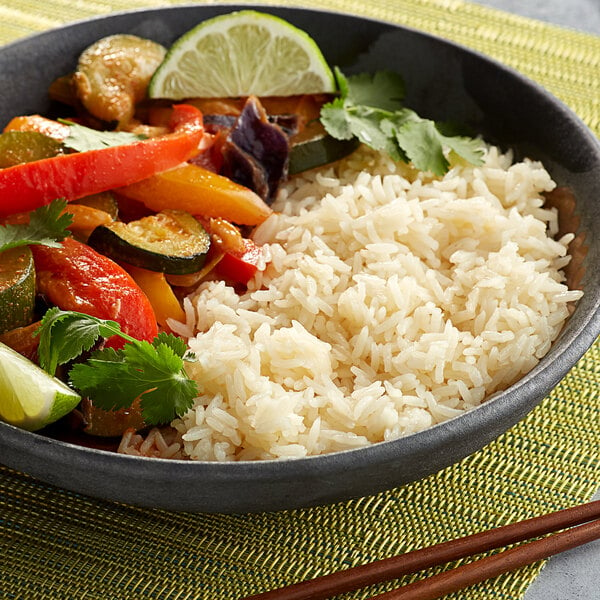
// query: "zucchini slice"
[[17, 147], [17, 288], [318, 152], [170, 241]]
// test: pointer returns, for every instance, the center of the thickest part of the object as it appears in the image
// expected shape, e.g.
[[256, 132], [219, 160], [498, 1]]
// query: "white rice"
[[391, 301]]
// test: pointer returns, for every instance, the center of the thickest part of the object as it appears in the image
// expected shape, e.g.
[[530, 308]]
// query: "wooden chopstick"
[[461, 577], [395, 567]]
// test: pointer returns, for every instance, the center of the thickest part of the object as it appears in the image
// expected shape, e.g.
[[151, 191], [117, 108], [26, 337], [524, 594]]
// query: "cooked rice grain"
[[392, 301]]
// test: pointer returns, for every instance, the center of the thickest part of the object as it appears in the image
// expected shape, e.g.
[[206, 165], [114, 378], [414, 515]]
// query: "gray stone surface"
[[573, 575], [583, 15]]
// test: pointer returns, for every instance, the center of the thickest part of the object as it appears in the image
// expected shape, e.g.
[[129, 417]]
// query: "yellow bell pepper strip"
[[159, 292], [198, 191], [30, 185]]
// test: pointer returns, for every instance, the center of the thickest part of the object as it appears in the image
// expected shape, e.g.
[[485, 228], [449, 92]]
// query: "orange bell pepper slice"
[[54, 129]]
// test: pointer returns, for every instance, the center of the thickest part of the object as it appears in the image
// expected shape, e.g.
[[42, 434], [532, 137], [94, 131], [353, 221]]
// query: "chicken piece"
[[113, 75]]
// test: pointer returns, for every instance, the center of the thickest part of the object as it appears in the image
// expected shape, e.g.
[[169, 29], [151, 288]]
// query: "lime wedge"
[[242, 53], [30, 398]]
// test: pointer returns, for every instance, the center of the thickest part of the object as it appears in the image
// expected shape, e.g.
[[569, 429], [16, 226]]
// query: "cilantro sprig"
[[83, 138], [370, 108], [47, 226], [114, 379]]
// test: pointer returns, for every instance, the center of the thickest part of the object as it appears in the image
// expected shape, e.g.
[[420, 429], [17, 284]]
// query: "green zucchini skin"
[[318, 152], [171, 242], [17, 288], [17, 147]]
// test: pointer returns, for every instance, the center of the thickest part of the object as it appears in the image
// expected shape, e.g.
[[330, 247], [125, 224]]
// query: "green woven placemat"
[[56, 544]]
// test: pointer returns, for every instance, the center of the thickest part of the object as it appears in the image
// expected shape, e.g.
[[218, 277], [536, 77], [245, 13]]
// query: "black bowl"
[[444, 81]]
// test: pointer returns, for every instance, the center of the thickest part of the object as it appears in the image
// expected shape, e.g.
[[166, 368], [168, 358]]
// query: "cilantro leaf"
[[152, 372], [370, 108], [366, 125], [335, 119], [361, 122], [172, 383], [64, 335], [383, 89], [466, 147], [124, 384], [47, 225], [423, 145], [82, 138], [426, 146], [176, 344], [112, 378]]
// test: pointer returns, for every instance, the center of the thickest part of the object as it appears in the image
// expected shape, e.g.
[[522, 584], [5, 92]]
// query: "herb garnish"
[[47, 226], [370, 108], [83, 138], [114, 379]]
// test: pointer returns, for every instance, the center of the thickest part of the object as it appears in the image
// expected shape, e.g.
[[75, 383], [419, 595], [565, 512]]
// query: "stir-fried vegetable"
[[76, 277], [171, 241], [240, 266], [17, 288], [30, 185], [17, 147], [256, 151], [36, 123], [198, 191], [157, 197], [160, 294]]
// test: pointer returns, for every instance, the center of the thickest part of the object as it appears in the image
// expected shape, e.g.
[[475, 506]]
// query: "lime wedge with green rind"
[[239, 54], [30, 398]]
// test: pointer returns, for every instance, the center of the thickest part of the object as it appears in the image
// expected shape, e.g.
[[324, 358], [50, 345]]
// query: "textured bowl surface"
[[444, 81]]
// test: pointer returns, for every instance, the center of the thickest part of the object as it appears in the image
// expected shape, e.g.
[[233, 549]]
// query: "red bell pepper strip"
[[28, 186], [186, 117], [76, 277], [240, 267]]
